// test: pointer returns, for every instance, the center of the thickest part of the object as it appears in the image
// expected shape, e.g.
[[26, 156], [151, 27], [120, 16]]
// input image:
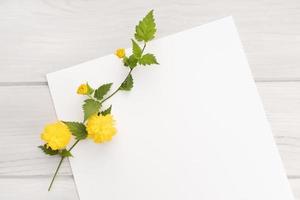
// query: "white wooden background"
[[41, 36]]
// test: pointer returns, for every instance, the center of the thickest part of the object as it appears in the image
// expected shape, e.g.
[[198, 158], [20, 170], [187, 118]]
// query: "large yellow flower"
[[101, 128], [56, 135]]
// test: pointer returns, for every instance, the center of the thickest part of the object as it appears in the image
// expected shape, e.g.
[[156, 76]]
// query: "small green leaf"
[[48, 150], [146, 29], [77, 129], [132, 61], [136, 49], [102, 91], [90, 107], [148, 59], [107, 111], [65, 153], [90, 89], [127, 84], [126, 61]]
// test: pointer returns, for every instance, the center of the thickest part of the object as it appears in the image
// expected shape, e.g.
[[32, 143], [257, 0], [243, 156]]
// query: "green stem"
[[90, 96], [56, 171], [63, 157], [143, 48], [75, 143], [118, 89], [59, 165]]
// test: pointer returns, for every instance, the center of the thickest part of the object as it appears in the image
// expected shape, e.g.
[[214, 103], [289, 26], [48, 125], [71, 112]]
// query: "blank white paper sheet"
[[192, 128]]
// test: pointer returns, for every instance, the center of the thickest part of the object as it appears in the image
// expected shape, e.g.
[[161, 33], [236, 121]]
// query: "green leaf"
[[77, 129], [148, 59], [126, 61], [127, 84], [65, 153], [136, 49], [132, 61], [48, 150], [146, 29], [90, 89], [102, 91], [107, 111], [90, 107]]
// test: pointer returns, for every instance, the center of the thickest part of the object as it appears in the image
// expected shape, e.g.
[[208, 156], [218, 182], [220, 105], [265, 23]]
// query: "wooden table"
[[38, 37]]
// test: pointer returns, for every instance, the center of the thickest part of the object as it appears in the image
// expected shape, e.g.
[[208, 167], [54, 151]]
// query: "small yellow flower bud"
[[83, 89], [120, 53]]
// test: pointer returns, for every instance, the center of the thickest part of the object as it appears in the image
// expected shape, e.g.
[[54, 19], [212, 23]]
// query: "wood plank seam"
[[39, 83]]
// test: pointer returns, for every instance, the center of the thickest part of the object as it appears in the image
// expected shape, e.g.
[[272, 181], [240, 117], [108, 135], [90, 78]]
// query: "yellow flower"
[[101, 128], [56, 135], [120, 53], [83, 89]]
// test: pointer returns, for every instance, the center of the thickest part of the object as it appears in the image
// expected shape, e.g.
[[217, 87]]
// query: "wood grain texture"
[[282, 105], [36, 188], [23, 119], [43, 36]]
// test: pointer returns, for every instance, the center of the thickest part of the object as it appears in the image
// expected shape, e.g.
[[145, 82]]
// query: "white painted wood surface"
[[40, 36]]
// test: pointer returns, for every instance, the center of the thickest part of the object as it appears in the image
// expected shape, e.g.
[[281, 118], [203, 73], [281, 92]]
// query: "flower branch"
[[98, 123]]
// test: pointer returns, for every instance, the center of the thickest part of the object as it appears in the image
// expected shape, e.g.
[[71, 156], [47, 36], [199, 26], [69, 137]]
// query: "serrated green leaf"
[[107, 111], [148, 59], [77, 129], [48, 150], [90, 107], [102, 91], [146, 29], [65, 153], [132, 61], [90, 89], [127, 84], [136, 49], [126, 61]]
